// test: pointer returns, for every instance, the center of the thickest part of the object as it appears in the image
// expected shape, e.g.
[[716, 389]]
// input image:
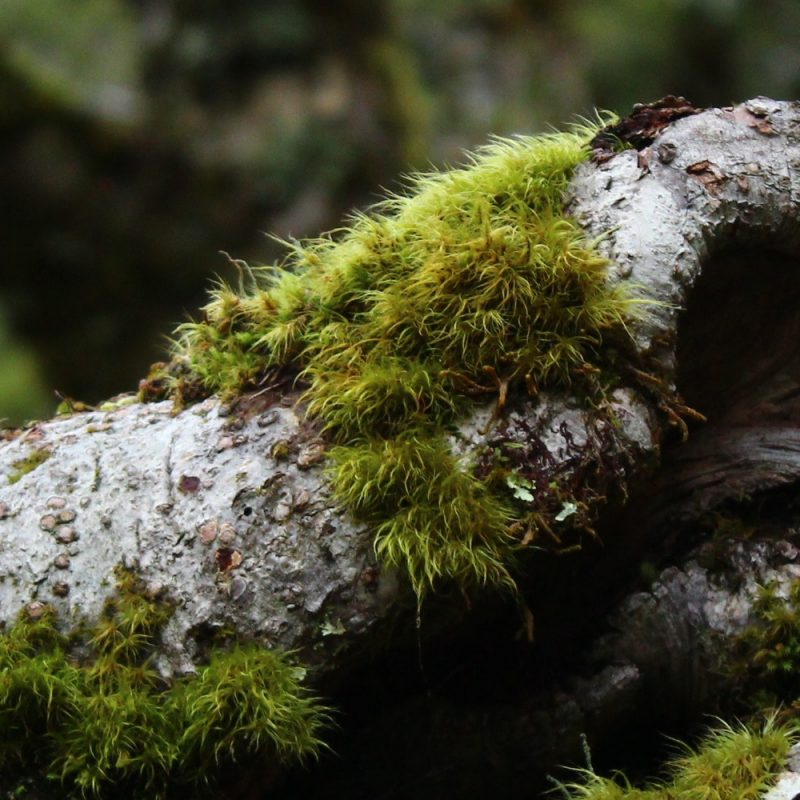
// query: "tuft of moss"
[[111, 721], [473, 284], [731, 763], [474, 267], [764, 660], [444, 522], [247, 701]]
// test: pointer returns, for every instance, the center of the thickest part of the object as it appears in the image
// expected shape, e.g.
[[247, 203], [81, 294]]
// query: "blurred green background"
[[140, 138]]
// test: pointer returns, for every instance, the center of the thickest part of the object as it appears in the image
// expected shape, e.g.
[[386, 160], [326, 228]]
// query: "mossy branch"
[[395, 322]]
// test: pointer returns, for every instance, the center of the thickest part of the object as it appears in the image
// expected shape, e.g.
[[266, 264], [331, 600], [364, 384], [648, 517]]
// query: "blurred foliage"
[[22, 389], [84, 55], [138, 138]]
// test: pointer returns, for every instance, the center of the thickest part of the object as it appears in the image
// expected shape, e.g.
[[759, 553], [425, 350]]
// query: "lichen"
[[89, 709], [472, 284], [22, 466]]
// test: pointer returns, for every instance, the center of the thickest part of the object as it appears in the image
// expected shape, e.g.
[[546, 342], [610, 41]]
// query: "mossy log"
[[226, 507]]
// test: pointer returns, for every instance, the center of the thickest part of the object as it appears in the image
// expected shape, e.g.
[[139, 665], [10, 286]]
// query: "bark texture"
[[704, 219], [229, 515]]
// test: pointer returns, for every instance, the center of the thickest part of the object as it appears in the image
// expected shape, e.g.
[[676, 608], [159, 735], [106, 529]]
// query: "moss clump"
[[730, 764], [764, 661], [22, 466], [113, 722], [473, 284], [445, 523]]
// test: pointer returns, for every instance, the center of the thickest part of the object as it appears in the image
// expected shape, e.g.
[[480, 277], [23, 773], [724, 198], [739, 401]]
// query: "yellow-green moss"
[[444, 524], [107, 719], [731, 763], [472, 284]]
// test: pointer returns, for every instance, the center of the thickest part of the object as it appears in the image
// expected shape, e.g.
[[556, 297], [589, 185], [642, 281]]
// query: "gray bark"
[[230, 512], [198, 504]]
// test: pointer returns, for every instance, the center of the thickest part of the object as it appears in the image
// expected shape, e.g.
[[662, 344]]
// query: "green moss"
[[23, 466], [247, 701], [730, 764], [111, 721], [764, 661], [472, 284], [445, 523]]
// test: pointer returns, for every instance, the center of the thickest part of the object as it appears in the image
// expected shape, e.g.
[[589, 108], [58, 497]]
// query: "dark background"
[[140, 138]]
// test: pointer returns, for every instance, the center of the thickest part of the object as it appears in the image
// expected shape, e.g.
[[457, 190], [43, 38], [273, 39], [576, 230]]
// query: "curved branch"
[[230, 512]]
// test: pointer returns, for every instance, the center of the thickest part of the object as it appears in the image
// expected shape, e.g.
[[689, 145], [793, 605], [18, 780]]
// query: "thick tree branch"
[[229, 512]]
